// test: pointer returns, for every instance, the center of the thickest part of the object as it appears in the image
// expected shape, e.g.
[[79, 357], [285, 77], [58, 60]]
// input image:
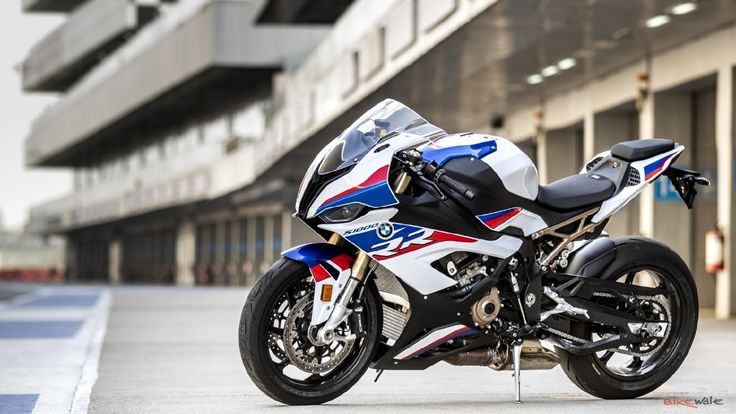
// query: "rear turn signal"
[[326, 293]]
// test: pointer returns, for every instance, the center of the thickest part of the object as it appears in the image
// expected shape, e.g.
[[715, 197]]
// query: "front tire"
[[592, 373], [284, 287]]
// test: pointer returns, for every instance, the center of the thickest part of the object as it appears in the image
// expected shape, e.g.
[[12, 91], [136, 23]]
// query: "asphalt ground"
[[50, 341], [175, 350]]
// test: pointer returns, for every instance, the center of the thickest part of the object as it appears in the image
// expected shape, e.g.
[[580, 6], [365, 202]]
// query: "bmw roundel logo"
[[385, 230]]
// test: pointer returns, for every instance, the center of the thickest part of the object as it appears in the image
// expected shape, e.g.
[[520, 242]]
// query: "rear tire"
[[590, 374], [258, 359]]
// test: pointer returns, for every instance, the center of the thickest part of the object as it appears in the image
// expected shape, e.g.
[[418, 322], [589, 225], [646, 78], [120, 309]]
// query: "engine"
[[466, 268]]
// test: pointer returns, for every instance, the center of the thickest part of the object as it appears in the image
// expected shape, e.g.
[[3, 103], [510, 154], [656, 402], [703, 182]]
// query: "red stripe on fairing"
[[496, 222], [658, 169], [319, 273], [377, 177], [438, 342], [435, 237], [343, 261], [439, 236]]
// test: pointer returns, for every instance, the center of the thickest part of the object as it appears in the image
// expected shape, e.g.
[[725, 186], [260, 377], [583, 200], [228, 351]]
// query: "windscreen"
[[374, 126]]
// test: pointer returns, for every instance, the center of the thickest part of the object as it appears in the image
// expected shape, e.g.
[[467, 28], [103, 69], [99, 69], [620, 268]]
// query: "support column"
[[185, 253], [251, 272], [286, 231], [220, 240], [267, 242], [589, 134], [115, 260], [71, 271], [673, 118], [610, 129], [541, 141], [725, 297], [301, 233], [232, 267], [646, 130]]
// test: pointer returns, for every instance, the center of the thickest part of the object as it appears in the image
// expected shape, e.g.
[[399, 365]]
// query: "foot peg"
[[517, 371]]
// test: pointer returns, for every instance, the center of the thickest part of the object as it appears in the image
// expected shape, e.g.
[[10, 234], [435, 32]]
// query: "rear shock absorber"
[[513, 276]]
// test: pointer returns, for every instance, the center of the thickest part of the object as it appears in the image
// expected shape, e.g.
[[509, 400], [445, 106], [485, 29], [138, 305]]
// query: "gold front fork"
[[335, 239]]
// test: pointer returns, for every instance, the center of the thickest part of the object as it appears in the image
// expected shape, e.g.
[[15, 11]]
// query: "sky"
[[20, 187]]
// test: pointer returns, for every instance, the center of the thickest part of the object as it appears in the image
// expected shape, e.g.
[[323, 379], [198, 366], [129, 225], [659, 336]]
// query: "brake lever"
[[426, 183], [432, 188]]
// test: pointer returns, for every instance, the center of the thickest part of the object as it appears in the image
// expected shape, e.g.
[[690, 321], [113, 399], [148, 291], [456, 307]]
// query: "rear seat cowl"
[[641, 149]]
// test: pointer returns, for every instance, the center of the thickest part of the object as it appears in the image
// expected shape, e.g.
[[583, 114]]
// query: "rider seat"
[[641, 149], [576, 191]]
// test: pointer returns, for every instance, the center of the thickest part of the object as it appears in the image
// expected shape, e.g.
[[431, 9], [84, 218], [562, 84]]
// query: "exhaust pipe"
[[533, 357]]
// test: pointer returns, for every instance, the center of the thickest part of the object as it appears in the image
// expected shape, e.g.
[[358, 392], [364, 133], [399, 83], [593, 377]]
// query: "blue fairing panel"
[[443, 155], [313, 254], [377, 196]]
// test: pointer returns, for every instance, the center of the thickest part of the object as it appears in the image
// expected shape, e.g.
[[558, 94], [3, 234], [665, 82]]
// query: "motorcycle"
[[444, 247]]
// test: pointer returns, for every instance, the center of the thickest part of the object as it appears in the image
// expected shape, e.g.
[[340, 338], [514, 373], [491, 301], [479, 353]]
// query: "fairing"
[[450, 147], [408, 250], [648, 170], [367, 182], [407, 233]]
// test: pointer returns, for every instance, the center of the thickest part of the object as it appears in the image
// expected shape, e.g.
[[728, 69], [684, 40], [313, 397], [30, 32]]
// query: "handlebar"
[[439, 175]]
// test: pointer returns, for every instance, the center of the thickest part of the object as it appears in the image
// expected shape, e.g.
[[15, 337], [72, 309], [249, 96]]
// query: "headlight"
[[342, 214]]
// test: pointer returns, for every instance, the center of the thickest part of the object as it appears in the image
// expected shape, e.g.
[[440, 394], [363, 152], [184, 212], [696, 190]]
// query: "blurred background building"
[[30, 257], [189, 124]]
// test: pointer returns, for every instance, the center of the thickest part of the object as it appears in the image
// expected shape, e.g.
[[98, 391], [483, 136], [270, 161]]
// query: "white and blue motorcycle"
[[444, 247]]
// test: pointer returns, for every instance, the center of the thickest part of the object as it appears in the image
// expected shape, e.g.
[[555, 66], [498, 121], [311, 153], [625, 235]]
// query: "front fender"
[[328, 265]]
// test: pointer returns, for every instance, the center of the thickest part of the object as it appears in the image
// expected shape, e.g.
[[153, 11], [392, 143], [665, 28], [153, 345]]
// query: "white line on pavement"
[[80, 403]]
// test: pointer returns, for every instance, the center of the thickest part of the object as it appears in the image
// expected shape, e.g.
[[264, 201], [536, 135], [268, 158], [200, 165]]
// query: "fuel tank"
[[515, 171], [503, 178]]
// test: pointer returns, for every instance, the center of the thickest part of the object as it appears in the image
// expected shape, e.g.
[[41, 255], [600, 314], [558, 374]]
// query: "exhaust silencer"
[[533, 357]]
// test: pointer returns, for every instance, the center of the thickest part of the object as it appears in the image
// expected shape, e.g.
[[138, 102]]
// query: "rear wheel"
[[635, 370], [279, 350]]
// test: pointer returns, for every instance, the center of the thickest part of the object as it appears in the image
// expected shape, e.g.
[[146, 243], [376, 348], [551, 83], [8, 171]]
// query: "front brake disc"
[[303, 352]]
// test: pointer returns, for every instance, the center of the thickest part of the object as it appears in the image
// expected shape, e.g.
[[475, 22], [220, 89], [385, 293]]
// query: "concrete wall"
[[235, 247], [18, 250], [673, 119], [563, 153], [704, 215]]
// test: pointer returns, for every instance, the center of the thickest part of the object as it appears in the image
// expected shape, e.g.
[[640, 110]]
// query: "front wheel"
[[635, 370], [279, 350]]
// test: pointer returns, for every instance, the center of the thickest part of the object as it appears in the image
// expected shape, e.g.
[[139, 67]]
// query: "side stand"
[[517, 371]]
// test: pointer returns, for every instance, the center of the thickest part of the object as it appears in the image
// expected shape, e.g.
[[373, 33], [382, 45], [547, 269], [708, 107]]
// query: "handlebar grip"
[[455, 186], [437, 173]]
